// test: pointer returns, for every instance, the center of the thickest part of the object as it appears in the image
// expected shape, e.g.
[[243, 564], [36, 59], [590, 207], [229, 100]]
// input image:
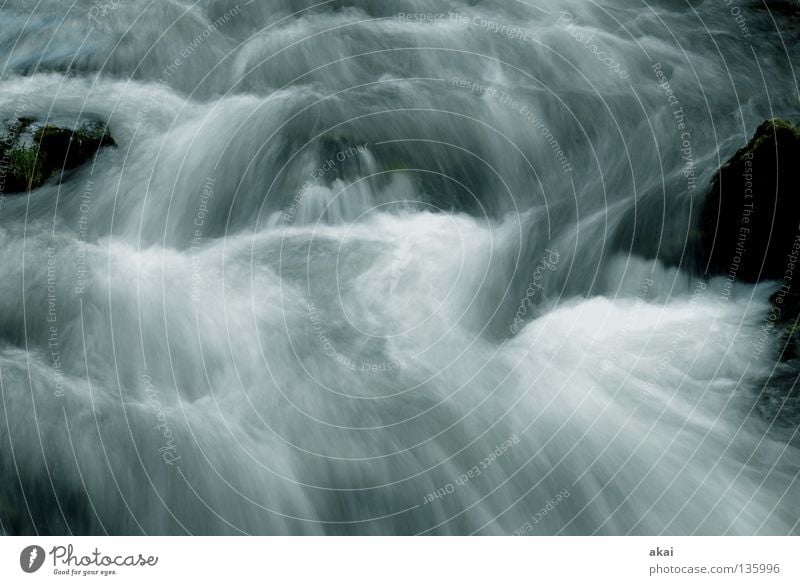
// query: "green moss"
[[84, 134], [27, 164], [50, 132], [94, 134], [779, 124], [19, 126], [30, 155]]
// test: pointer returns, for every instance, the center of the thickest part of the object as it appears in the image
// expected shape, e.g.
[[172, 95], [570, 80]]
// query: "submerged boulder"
[[751, 217], [750, 230], [31, 153]]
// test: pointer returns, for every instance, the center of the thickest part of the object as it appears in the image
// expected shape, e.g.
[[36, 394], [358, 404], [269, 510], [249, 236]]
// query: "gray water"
[[354, 271]]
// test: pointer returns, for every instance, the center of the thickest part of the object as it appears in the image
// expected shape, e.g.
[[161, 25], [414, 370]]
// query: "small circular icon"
[[31, 558]]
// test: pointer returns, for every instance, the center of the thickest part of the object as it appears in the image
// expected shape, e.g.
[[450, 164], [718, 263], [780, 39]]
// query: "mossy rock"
[[67, 149], [30, 155], [26, 164], [752, 214]]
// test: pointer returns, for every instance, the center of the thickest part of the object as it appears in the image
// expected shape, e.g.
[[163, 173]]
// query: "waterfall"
[[409, 267]]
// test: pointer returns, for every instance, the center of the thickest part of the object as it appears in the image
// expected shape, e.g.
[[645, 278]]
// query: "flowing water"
[[397, 267]]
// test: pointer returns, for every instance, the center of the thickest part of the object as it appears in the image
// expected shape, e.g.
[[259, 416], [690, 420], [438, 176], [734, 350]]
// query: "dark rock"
[[779, 394], [783, 317], [30, 154], [71, 149], [782, 7], [751, 216]]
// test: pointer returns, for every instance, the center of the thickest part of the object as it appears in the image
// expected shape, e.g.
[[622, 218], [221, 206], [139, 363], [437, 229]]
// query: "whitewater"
[[409, 267]]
